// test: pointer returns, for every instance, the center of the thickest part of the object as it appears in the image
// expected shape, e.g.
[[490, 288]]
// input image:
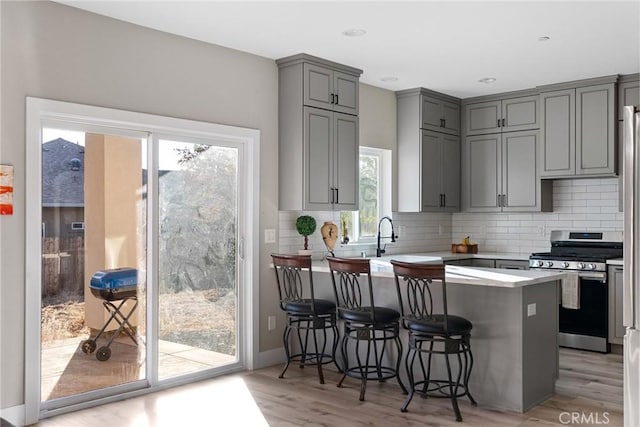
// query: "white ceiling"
[[444, 46]]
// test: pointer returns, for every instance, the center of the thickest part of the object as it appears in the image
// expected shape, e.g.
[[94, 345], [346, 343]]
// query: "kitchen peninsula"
[[515, 326]]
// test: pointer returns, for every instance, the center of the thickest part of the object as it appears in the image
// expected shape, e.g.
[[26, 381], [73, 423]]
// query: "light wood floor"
[[590, 385]]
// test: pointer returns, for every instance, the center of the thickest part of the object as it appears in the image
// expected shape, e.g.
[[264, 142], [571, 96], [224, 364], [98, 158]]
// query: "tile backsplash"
[[578, 204]]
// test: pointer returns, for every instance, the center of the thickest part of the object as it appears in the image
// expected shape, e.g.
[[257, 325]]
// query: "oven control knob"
[[592, 266], [565, 264], [581, 266], [549, 264]]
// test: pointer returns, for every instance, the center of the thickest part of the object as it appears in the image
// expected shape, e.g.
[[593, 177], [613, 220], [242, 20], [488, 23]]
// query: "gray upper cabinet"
[[440, 116], [331, 139], [502, 173], [318, 134], [329, 89], [428, 124], [596, 130], [440, 181], [558, 133], [578, 131], [506, 115]]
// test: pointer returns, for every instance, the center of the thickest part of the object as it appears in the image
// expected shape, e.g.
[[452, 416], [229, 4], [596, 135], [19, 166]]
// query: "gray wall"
[[56, 52]]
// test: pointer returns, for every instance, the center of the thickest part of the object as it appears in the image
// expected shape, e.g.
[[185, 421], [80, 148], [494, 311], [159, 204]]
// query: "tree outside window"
[[362, 225]]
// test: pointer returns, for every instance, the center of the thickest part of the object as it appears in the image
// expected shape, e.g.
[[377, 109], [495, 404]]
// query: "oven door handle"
[[593, 275]]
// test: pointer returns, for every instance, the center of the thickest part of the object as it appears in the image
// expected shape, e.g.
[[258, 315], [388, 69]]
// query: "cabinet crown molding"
[[306, 58], [579, 83], [500, 96], [426, 92]]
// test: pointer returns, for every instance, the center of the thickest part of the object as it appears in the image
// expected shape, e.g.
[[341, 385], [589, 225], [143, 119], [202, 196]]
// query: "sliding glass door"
[[139, 260], [198, 247]]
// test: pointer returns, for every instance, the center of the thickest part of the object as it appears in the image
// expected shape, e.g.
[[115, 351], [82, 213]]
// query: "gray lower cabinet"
[[615, 282], [502, 174], [511, 264], [318, 134], [578, 132], [506, 115], [331, 144]]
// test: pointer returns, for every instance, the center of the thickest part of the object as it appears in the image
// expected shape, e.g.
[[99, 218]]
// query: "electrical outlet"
[[531, 309], [271, 323], [269, 235]]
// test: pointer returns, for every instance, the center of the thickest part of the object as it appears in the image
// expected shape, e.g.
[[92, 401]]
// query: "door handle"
[[337, 101], [241, 248], [332, 195], [332, 98], [498, 123], [502, 122], [444, 200], [337, 196]]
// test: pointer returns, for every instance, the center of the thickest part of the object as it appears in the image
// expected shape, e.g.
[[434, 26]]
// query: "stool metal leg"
[[319, 353], [453, 391], [285, 339]]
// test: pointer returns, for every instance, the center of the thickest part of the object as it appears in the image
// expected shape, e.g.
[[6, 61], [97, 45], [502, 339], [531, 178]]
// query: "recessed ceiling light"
[[354, 32], [544, 38], [388, 79], [487, 80]]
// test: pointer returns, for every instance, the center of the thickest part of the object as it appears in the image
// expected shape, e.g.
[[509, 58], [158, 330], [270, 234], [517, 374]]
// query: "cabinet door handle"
[[502, 122], [337, 102], [444, 200], [337, 196], [504, 200], [332, 195], [499, 200], [498, 122], [332, 101]]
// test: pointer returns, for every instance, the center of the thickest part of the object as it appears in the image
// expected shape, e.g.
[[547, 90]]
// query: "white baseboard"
[[269, 358], [15, 415]]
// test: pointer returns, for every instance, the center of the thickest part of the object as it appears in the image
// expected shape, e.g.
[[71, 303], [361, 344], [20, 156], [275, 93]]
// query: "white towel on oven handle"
[[571, 291]]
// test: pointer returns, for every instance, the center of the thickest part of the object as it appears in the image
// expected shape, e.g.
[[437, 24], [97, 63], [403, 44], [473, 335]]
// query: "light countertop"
[[494, 277]]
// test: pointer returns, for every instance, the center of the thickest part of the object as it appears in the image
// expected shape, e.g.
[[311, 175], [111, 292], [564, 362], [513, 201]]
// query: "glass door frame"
[[45, 113]]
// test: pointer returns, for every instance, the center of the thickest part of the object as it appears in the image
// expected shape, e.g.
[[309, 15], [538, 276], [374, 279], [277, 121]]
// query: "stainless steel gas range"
[[583, 254]]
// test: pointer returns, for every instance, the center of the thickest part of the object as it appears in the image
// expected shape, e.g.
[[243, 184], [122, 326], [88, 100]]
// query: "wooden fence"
[[63, 266]]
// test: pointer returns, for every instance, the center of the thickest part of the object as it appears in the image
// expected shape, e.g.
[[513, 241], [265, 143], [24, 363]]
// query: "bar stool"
[[444, 333], [375, 325], [307, 316]]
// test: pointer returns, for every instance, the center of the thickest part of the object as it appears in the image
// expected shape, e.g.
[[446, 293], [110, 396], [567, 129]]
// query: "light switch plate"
[[270, 235], [531, 309], [271, 323]]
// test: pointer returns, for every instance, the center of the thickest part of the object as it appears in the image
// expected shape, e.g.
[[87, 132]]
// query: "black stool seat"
[[456, 325], [382, 315], [432, 334], [306, 306], [309, 318]]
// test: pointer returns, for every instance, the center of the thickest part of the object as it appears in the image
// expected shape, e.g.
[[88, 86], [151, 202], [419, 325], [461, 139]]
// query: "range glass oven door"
[[587, 327]]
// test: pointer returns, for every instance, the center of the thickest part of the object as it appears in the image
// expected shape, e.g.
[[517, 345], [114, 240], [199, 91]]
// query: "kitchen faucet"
[[379, 250]]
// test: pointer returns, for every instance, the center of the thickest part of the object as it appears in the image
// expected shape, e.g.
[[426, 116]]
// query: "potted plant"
[[305, 225]]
